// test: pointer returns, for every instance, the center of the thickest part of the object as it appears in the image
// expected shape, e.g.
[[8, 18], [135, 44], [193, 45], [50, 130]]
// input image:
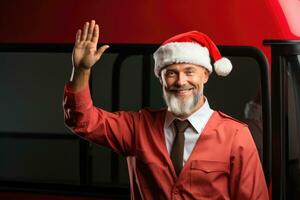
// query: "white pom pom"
[[223, 66]]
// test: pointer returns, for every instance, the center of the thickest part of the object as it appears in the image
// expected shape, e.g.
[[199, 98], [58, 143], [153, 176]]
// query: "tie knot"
[[180, 125]]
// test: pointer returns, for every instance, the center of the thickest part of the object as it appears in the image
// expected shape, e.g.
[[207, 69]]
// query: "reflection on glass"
[[253, 118]]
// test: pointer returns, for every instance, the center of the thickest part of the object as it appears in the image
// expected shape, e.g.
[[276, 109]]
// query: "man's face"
[[183, 87]]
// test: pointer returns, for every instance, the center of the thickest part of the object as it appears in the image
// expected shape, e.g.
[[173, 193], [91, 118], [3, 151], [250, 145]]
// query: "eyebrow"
[[187, 68], [191, 69], [171, 69]]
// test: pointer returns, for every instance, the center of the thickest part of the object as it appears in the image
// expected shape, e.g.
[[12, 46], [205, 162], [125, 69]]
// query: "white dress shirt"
[[197, 120]]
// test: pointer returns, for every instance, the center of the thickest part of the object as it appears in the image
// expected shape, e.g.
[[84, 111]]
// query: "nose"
[[181, 80]]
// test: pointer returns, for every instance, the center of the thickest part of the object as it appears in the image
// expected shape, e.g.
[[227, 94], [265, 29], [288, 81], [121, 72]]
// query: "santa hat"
[[191, 47]]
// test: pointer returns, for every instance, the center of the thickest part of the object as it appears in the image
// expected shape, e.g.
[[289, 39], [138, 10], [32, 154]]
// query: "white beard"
[[181, 107]]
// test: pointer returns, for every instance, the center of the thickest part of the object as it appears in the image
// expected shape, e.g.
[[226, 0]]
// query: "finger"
[[91, 30], [95, 34], [85, 30], [101, 50], [78, 35]]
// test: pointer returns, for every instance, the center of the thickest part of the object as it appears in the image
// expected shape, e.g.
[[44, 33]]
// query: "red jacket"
[[223, 165]]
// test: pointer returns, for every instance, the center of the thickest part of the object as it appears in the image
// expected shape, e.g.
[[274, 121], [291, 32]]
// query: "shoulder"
[[239, 130], [153, 111], [230, 124], [224, 118], [154, 114]]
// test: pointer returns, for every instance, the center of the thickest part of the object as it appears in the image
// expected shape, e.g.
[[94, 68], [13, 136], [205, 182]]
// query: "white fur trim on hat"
[[181, 52], [223, 66]]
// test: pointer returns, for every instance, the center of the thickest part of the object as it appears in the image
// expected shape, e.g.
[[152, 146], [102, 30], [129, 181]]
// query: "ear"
[[206, 76]]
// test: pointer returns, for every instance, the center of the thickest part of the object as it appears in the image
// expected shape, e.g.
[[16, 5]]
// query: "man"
[[187, 151]]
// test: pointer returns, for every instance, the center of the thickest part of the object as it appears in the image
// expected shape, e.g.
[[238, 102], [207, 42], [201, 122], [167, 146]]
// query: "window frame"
[[125, 50]]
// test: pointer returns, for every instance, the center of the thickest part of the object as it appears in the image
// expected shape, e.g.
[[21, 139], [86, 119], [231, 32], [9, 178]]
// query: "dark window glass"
[[293, 126], [31, 86]]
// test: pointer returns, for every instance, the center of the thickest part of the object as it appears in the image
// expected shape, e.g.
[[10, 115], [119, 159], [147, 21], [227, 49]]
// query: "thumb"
[[101, 50]]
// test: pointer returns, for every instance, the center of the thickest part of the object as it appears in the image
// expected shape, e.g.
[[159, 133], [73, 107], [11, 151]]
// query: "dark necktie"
[[178, 144]]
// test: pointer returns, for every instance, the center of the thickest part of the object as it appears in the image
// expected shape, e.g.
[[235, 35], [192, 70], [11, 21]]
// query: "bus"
[[41, 159]]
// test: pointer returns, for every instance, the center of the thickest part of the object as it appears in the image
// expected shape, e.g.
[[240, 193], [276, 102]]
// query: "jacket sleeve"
[[247, 180], [112, 130]]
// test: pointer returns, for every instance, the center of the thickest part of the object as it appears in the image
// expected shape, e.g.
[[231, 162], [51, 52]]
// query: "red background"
[[231, 22]]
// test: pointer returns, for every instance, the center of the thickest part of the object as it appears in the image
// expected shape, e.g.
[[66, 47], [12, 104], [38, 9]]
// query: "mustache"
[[175, 88]]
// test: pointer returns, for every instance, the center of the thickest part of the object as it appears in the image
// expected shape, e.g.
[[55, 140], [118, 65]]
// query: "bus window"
[[293, 126]]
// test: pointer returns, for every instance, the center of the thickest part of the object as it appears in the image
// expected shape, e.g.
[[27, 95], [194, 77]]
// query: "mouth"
[[182, 92]]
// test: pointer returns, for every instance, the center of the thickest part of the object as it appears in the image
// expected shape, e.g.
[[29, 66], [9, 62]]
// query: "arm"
[[247, 180], [113, 130]]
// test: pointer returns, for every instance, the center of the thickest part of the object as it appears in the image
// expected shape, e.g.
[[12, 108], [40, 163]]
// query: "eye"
[[170, 73], [189, 72]]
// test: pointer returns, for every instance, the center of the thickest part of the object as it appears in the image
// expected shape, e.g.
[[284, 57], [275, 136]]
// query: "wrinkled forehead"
[[183, 66]]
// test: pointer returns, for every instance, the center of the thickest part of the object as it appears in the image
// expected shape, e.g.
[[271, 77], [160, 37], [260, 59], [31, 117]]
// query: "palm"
[[85, 53]]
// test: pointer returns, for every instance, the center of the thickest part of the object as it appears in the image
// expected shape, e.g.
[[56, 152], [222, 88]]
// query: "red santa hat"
[[191, 47]]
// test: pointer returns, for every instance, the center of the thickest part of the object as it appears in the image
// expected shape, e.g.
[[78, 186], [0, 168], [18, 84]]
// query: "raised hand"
[[85, 53]]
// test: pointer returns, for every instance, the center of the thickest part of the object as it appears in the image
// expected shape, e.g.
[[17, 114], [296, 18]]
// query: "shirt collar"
[[197, 119]]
